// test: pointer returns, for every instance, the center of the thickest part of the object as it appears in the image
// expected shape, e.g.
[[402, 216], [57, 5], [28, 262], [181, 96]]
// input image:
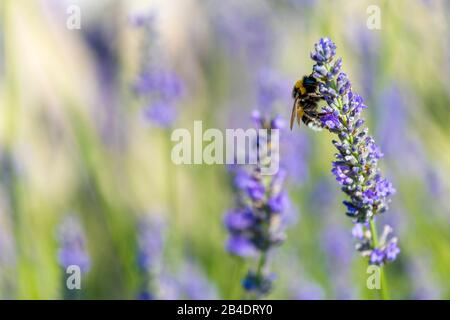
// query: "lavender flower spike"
[[356, 165], [256, 225]]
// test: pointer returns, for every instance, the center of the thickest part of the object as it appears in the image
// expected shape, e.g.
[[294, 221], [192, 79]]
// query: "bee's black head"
[[310, 83]]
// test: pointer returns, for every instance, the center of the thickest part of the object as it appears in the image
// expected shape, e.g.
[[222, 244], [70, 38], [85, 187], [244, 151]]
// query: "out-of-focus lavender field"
[[86, 116]]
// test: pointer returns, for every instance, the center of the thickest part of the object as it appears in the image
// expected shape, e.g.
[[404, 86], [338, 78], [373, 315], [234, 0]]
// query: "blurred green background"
[[78, 139]]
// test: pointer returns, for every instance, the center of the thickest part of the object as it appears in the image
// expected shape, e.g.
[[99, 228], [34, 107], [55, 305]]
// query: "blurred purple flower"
[[72, 244], [254, 282], [392, 124], [257, 224], [188, 283], [244, 31], [392, 250], [168, 287], [238, 220], [294, 153], [358, 231], [271, 88], [377, 256], [336, 244], [194, 284], [159, 87], [241, 246], [308, 291], [278, 123], [161, 83], [142, 19], [160, 113], [425, 284], [278, 203], [387, 249], [145, 295], [150, 242], [7, 245], [294, 279], [367, 46]]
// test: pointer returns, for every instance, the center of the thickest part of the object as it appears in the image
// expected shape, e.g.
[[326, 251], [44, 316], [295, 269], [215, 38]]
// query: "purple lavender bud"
[[384, 188], [352, 210], [359, 123], [343, 84], [358, 231], [392, 250], [261, 285], [239, 220], [257, 117], [335, 69], [255, 189], [241, 179], [319, 71], [241, 246], [377, 257], [324, 51], [278, 203], [340, 171], [277, 123], [331, 121]]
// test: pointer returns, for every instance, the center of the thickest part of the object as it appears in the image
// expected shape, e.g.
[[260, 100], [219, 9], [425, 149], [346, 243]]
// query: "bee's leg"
[[311, 120], [312, 123], [321, 114], [315, 95]]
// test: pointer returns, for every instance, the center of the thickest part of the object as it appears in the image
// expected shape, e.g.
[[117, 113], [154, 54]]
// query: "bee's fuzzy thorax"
[[306, 102]]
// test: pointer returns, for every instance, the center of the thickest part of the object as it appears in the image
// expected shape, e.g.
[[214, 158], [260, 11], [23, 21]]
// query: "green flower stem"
[[261, 264]]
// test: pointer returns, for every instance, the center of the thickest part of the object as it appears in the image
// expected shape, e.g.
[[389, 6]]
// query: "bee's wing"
[[297, 112], [300, 112], [293, 113]]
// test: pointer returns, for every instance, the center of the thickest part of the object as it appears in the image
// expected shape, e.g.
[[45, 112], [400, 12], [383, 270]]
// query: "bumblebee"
[[306, 103]]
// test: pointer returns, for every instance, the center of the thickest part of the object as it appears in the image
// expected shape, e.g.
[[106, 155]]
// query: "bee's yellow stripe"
[[299, 86]]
